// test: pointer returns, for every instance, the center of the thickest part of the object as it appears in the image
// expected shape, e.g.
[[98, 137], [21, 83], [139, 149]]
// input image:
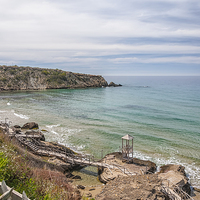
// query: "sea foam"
[[52, 126], [21, 116], [192, 171]]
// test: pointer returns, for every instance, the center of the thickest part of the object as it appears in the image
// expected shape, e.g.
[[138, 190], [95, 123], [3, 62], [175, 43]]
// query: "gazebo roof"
[[127, 137]]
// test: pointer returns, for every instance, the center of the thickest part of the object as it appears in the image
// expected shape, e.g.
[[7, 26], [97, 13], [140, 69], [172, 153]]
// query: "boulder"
[[30, 125], [69, 175], [136, 187], [81, 187], [17, 126], [151, 166], [112, 84], [65, 166], [76, 177], [36, 132], [175, 175], [176, 168], [89, 194]]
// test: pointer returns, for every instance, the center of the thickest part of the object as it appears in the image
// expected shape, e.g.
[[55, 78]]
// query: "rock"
[[65, 166], [17, 129], [151, 166], [176, 168], [136, 187], [81, 187], [17, 126], [76, 177], [112, 84], [69, 175], [176, 175], [35, 132], [30, 125], [40, 79], [89, 195], [197, 189]]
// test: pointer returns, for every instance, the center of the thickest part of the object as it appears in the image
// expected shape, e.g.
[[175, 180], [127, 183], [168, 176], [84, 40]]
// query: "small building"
[[127, 147]]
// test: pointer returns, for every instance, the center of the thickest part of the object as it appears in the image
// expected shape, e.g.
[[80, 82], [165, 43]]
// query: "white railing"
[[10, 194]]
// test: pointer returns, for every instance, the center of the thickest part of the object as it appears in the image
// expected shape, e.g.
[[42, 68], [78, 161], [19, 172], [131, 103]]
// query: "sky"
[[107, 37]]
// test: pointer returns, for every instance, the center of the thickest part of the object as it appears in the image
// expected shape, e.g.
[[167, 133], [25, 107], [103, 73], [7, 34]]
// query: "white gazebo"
[[127, 147]]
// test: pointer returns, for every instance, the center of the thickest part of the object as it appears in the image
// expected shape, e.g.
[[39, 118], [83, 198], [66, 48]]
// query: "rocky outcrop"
[[175, 176], [27, 78], [124, 168], [29, 129], [38, 133], [30, 125], [150, 166], [112, 84], [133, 188], [58, 162]]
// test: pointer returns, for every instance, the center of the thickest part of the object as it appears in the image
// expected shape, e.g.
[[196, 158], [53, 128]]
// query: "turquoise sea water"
[[162, 113]]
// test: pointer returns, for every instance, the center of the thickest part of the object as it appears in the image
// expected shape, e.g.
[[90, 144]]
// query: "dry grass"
[[37, 183]]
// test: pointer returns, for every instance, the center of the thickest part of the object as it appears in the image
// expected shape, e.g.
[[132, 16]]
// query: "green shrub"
[[39, 184], [12, 71], [4, 80], [45, 72]]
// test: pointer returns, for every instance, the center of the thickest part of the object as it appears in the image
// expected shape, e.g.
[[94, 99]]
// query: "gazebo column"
[[122, 149], [132, 148], [128, 150]]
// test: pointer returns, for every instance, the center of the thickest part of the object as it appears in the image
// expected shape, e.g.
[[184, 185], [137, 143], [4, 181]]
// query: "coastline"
[[56, 131], [90, 190]]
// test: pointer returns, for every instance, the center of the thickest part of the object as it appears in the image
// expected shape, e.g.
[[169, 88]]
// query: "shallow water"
[[89, 177], [162, 113]]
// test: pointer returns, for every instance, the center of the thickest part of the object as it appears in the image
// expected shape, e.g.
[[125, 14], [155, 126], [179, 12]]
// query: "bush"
[[3, 79], [12, 71], [37, 183], [45, 72]]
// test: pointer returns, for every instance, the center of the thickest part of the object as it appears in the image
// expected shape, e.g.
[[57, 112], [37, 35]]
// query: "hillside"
[[28, 78]]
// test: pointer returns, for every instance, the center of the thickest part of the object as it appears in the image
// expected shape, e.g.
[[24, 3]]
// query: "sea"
[[161, 113]]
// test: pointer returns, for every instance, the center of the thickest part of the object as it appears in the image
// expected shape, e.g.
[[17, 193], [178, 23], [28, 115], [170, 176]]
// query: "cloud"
[[167, 59], [88, 32]]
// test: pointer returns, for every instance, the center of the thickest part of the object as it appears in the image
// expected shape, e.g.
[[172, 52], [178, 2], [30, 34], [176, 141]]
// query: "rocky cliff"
[[28, 78]]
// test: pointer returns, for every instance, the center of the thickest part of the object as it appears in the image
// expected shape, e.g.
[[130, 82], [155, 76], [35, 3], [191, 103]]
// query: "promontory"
[[32, 78]]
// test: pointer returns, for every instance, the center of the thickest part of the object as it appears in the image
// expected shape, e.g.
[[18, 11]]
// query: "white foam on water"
[[2, 111], [54, 132], [21, 116], [81, 147], [52, 126], [192, 170], [72, 131]]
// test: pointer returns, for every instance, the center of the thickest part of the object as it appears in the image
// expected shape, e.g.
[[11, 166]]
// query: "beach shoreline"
[[112, 158]]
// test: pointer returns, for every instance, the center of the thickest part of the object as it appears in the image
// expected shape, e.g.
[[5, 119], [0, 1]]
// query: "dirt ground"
[[133, 188]]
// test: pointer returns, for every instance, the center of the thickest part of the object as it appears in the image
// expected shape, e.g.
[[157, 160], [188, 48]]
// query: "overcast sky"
[[107, 37]]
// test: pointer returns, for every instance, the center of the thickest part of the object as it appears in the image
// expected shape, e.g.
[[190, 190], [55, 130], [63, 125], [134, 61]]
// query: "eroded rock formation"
[[28, 78]]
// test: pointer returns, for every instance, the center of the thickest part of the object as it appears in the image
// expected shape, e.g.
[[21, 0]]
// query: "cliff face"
[[27, 78]]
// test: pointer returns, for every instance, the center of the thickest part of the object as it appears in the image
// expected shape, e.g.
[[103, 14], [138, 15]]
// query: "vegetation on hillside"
[[38, 184], [26, 78]]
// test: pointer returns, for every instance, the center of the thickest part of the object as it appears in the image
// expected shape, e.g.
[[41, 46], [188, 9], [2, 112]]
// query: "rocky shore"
[[29, 78], [136, 179]]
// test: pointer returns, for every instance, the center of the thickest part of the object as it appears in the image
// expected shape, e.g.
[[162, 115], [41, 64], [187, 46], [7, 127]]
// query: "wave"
[[192, 170], [52, 126], [54, 132], [21, 116]]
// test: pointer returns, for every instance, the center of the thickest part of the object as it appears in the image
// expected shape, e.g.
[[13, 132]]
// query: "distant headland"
[[31, 78]]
